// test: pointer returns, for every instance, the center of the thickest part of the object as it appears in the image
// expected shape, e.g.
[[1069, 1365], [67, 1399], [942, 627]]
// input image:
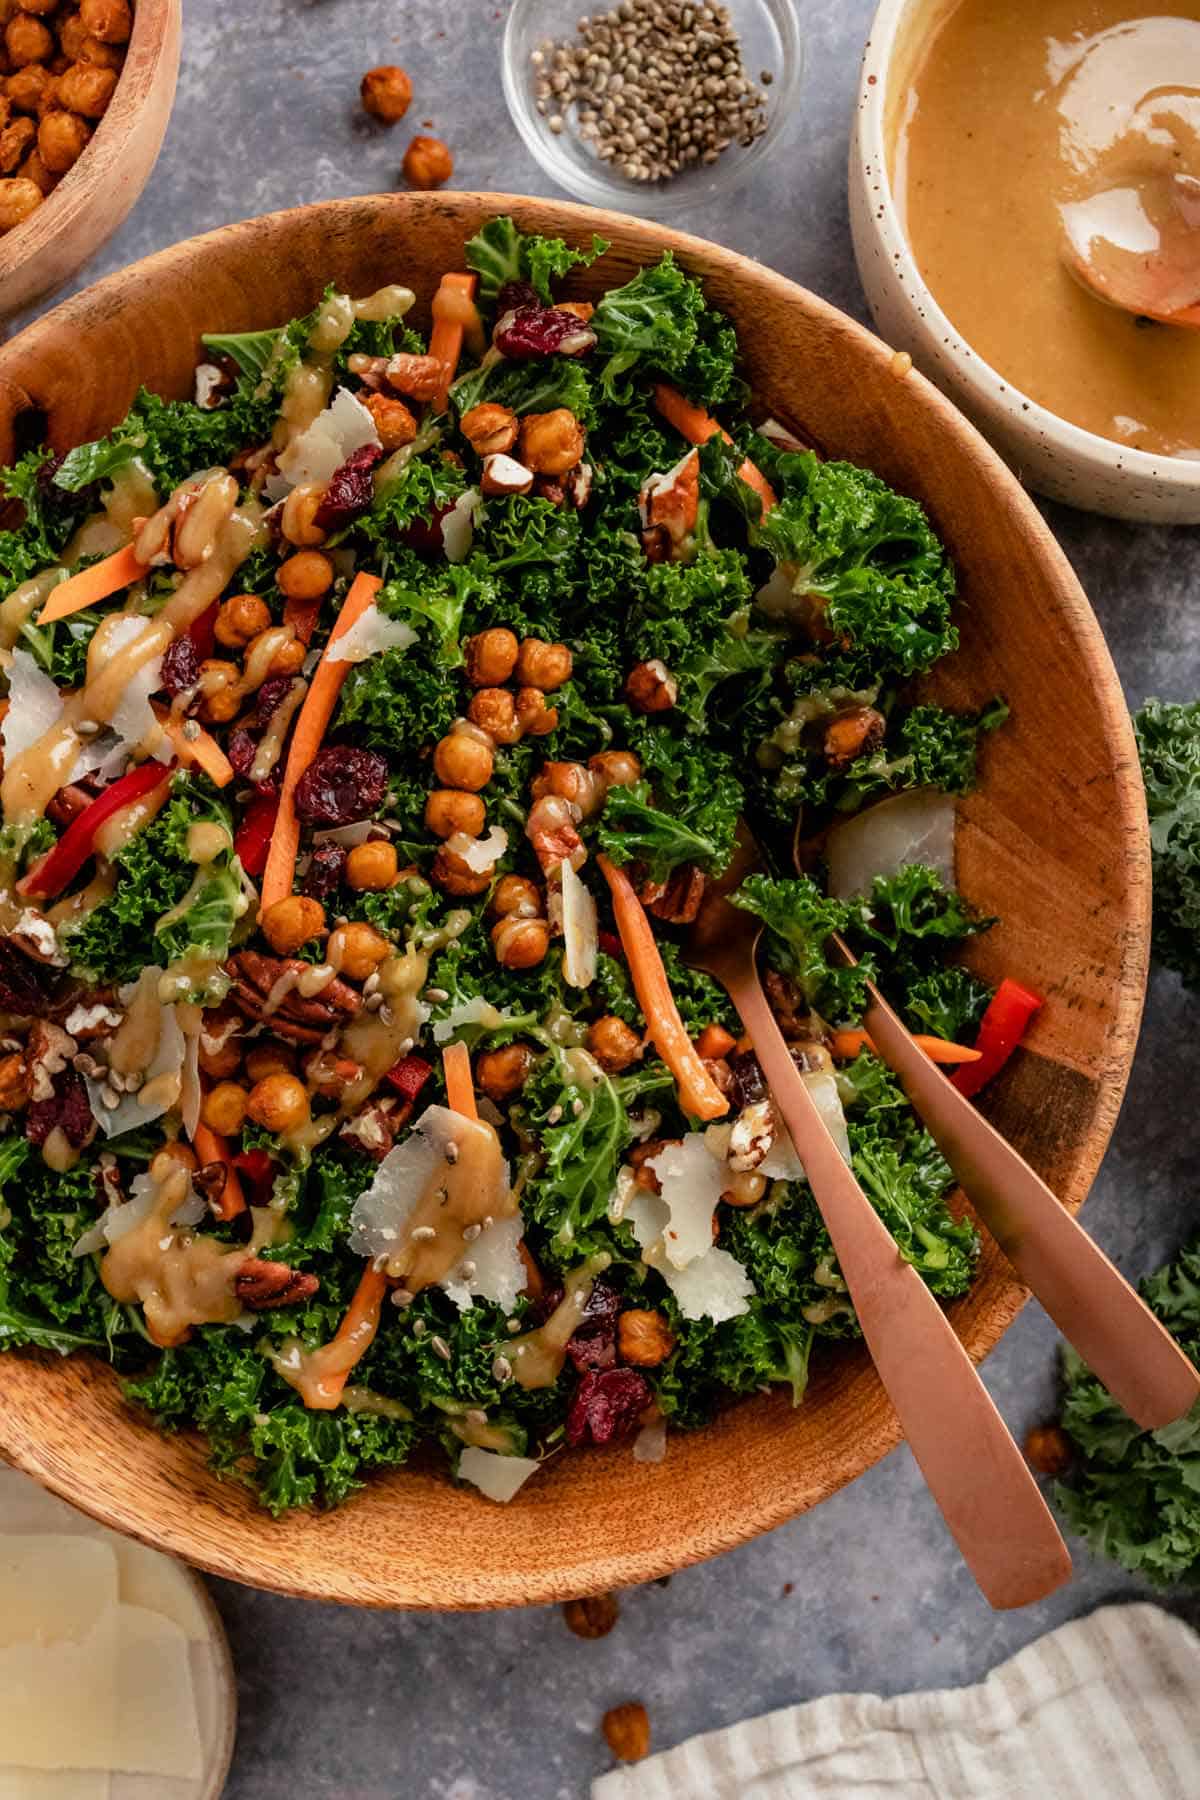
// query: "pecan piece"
[[259, 1285], [257, 976], [676, 900]]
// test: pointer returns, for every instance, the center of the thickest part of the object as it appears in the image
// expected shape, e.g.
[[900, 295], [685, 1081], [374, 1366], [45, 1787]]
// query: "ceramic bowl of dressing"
[[1058, 387]]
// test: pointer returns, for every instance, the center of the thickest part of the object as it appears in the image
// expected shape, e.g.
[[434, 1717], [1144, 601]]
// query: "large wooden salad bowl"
[[1054, 842]]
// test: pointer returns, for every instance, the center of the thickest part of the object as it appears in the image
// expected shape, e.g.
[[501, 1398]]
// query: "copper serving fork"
[[1092, 1304], [974, 1470]]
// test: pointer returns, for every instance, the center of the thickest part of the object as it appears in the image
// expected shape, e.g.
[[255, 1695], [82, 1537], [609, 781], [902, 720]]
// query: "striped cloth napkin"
[[1104, 1706]]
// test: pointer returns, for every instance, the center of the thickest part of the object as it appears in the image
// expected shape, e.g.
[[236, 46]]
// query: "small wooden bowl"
[[97, 195], [1055, 842]]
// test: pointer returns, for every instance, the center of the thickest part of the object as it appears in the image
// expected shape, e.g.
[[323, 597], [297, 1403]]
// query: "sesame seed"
[[191, 730], [436, 994], [576, 1107], [440, 1347], [109, 1098], [502, 1369], [468, 1270], [371, 984], [373, 1002], [401, 1297], [477, 1416], [554, 1115], [513, 1326], [418, 1328], [470, 1233], [452, 1154], [423, 1234]]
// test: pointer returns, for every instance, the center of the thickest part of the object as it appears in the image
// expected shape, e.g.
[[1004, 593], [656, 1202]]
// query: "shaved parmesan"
[[149, 1580], [379, 1216], [58, 1698], [53, 1589], [691, 1181], [715, 1286], [581, 929], [475, 1011], [35, 705], [822, 1085], [370, 635], [491, 1268], [162, 1084], [317, 453], [157, 1732], [479, 854], [53, 1784], [189, 1092], [458, 526], [499, 1477], [909, 828], [123, 1216], [132, 718]]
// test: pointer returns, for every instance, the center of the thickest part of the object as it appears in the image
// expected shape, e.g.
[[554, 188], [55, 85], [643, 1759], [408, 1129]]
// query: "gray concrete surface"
[[867, 1592]]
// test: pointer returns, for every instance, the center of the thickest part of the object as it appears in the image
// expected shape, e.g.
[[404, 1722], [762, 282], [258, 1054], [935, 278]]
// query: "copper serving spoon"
[[974, 1470], [1092, 1304]]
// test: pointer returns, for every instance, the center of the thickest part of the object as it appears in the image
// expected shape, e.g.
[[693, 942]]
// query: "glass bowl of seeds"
[[652, 106]]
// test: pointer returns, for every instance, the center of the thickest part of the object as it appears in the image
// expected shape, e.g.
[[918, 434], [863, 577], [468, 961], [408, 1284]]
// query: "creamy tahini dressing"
[[466, 1189], [179, 1278], [1030, 120], [538, 1356]]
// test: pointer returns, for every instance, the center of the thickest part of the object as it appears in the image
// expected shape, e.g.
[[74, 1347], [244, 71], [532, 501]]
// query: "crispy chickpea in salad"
[[375, 723]]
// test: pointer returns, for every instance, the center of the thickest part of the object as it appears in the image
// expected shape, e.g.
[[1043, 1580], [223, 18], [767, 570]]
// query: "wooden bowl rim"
[[697, 1536], [89, 176]]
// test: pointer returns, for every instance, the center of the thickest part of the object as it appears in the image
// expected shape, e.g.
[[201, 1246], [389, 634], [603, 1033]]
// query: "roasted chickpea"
[[516, 897], [85, 88], [223, 1110], [627, 1731], [27, 40], [357, 950], [746, 1188], [455, 876], [305, 576], [30, 89], [520, 943], [502, 1073], [543, 665], [427, 163], [460, 760], [221, 1063], [286, 657], [593, 1616], [16, 141], [491, 431], [386, 93], [618, 768], [551, 442], [278, 1103], [34, 169], [14, 1085], [372, 866], [490, 656], [241, 618], [715, 1041], [644, 1338], [18, 198], [109, 20], [614, 1044], [393, 421], [448, 810], [91, 50], [297, 521], [62, 138], [494, 710], [535, 717], [35, 6], [1048, 1450], [651, 687], [291, 922], [73, 34], [269, 1059], [220, 691], [173, 1156], [853, 733]]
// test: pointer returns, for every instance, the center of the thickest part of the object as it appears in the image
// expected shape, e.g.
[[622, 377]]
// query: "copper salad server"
[[974, 1470]]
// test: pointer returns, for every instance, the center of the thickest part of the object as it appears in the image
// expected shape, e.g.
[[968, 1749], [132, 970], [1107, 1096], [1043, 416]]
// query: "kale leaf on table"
[[1168, 738], [1133, 1494]]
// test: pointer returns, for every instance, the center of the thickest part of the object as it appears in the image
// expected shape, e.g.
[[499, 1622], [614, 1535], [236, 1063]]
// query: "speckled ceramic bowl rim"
[[892, 19]]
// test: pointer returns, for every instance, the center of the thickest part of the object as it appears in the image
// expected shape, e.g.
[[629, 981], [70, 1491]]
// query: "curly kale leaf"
[[947, 1002], [915, 912], [1168, 738], [660, 320], [799, 921], [927, 747], [423, 489], [1135, 1495], [866, 559], [537, 385], [521, 530], [684, 809], [401, 700], [908, 1192], [500, 252], [48, 516], [692, 616]]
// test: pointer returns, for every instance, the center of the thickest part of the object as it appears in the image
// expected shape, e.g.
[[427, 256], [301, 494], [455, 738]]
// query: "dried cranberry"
[[607, 1405], [594, 1344], [748, 1084], [326, 867], [26, 987], [341, 784], [241, 749], [180, 665], [542, 331], [271, 694], [68, 1108], [426, 534], [350, 491], [514, 294]]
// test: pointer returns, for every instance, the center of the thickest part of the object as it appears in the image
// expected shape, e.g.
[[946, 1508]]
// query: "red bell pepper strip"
[[409, 1076], [60, 865], [252, 840], [611, 945], [202, 631], [258, 1169], [1003, 1026]]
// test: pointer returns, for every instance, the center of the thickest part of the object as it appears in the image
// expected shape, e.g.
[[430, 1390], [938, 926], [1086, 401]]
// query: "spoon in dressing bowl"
[[970, 1462], [1138, 247]]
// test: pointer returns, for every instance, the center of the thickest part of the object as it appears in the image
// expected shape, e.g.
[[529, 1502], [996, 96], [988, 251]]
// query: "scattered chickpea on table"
[[386, 93], [59, 69]]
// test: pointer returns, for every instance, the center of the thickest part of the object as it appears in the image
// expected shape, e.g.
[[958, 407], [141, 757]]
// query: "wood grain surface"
[[96, 195], [1055, 842]]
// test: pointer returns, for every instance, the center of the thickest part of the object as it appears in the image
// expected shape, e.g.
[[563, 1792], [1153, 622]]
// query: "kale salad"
[[375, 723]]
